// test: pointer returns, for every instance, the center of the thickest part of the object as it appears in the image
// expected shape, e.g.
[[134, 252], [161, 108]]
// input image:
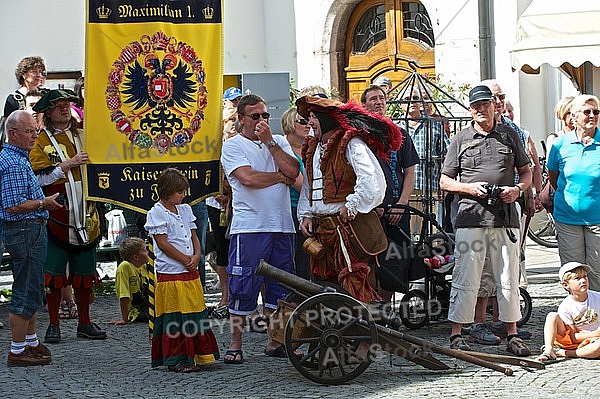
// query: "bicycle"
[[541, 227]]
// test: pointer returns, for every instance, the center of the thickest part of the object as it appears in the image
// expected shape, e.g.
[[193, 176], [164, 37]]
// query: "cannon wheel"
[[335, 333]]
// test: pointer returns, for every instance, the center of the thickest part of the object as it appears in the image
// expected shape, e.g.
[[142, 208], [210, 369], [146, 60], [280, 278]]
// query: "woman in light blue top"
[[574, 171]]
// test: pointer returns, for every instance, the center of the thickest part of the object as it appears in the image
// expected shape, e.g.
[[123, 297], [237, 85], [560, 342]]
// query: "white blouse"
[[178, 228]]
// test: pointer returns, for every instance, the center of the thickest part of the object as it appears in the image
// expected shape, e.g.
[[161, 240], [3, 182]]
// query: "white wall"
[[53, 29], [296, 36], [259, 36], [456, 30]]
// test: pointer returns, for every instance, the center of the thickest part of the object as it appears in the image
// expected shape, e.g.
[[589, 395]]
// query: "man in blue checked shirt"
[[23, 213], [431, 142]]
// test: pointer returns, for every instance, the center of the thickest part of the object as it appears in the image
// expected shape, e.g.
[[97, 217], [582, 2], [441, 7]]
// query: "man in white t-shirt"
[[259, 167]]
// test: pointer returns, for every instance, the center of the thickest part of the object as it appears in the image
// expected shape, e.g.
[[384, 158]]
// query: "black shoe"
[[90, 331], [52, 335]]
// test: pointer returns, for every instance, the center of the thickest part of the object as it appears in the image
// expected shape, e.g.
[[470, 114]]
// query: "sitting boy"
[[129, 281], [575, 329]]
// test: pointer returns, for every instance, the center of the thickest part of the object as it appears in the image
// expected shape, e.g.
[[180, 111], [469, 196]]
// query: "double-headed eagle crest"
[[156, 93]]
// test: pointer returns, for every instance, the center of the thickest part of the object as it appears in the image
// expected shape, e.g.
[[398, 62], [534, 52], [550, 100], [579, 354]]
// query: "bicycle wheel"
[[542, 231], [413, 309]]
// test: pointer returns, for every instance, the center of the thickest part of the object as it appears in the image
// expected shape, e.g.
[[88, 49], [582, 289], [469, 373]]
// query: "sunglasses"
[[255, 117], [412, 98], [587, 112], [303, 122]]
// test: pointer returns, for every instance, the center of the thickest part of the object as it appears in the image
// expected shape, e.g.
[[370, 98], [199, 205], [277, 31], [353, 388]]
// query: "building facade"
[[339, 44]]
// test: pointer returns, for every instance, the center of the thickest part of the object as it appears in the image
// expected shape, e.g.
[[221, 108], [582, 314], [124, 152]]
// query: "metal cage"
[[440, 116]]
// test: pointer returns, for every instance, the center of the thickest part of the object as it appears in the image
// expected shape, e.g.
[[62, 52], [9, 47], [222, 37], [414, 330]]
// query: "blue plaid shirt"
[[18, 184], [438, 145]]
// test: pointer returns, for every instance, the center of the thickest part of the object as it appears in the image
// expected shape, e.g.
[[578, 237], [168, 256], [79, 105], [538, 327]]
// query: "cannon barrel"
[[309, 288], [291, 280]]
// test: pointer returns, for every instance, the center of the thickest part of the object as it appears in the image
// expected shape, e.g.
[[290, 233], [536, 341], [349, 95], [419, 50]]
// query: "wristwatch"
[[41, 207], [272, 143]]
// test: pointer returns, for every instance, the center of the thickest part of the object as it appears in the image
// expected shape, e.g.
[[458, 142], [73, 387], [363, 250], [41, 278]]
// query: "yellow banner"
[[153, 84]]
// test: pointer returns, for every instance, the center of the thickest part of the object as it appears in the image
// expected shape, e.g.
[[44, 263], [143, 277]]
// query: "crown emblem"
[[208, 12], [103, 12]]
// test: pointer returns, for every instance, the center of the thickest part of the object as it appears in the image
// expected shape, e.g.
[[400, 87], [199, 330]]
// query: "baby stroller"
[[427, 289]]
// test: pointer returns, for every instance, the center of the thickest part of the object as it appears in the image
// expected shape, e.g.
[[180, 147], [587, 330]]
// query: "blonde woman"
[[563, 113], [296, 128], [574, 172]]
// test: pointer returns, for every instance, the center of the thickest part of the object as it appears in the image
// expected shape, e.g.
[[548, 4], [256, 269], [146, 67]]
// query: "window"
[[417, 24], [370, 29]]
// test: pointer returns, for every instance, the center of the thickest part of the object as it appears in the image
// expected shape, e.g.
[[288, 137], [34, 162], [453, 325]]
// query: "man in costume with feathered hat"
[[343, 179]]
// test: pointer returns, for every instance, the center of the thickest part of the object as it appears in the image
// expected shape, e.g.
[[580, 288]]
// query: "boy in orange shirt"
[[575, 329]]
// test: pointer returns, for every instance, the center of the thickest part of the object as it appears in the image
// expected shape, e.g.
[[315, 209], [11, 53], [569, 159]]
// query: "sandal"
[[280, 351], [547, 358], [63, 310], [183, 367], [236, 356], [259, 324], [73, 312], [518, 347]]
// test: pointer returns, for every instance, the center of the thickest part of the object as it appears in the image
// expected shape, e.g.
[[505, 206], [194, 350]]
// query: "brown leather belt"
[[38, 220], [326, 222]]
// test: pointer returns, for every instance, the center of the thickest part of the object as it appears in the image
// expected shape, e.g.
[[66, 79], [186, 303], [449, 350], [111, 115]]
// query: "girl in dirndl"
[[181, 338]]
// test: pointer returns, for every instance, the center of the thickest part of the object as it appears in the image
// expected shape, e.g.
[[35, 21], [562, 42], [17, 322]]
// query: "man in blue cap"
[[231, 97]]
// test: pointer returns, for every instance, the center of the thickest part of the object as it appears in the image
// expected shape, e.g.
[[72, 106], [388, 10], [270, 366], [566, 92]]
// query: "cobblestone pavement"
[[119, 366]]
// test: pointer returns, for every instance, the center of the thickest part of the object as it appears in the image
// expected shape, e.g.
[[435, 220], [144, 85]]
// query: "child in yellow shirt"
[[130, 282]]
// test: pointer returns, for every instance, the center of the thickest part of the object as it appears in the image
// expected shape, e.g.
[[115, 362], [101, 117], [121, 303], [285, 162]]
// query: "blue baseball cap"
[[232, 93]]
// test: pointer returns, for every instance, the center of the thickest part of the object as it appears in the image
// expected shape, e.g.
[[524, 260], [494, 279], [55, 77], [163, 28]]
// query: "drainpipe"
[[487, 62]]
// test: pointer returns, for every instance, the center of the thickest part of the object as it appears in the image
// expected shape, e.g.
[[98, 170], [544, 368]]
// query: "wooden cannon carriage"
[[339, 335]]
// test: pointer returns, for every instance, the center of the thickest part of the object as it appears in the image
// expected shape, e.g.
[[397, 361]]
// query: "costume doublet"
[[181, 327], [61, 230], [343, 172]]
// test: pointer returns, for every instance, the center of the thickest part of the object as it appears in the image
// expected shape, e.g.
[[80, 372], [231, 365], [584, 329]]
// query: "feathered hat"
[[379, 133]]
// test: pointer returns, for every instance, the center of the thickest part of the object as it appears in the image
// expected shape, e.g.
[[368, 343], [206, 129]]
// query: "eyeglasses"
[[303, 122], [500, 96], [38, 72], [412, 98], [587, 112], [255, 117]]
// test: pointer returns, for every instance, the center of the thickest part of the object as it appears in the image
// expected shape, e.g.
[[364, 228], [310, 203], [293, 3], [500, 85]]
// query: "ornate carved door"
[[383, 36]]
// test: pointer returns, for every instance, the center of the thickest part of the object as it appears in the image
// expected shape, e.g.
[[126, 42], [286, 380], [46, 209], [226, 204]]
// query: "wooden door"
[[382, 38]]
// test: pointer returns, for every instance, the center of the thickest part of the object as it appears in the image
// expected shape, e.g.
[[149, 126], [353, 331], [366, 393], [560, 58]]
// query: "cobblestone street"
[[119, 366]]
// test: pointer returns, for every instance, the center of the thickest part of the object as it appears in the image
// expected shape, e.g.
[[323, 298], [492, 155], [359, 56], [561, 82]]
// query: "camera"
[[492, 193]]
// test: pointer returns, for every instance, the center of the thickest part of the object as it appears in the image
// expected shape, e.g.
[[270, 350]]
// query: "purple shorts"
[[245, 252]]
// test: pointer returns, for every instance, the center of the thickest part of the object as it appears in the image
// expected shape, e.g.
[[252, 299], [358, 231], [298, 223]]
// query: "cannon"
[[339, 336]]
